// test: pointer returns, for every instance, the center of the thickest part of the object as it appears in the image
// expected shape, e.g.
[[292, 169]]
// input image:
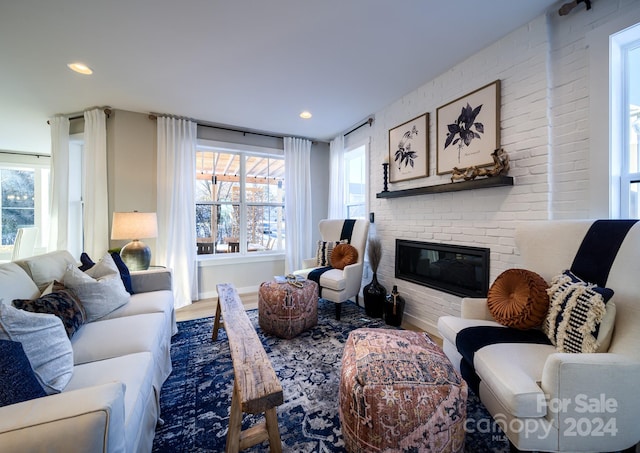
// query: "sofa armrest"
[[84, 420], [589, 398], [151, 280], [475, 308]]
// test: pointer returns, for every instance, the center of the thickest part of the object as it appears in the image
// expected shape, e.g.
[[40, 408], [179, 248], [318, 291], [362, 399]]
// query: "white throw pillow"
[[45, 342], [98, 296], [106, 266]]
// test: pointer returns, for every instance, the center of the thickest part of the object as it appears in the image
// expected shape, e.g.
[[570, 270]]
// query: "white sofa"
[[111, 403], [551, 401]]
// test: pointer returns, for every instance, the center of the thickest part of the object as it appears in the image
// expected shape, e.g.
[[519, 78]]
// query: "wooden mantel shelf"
[[485, 183]]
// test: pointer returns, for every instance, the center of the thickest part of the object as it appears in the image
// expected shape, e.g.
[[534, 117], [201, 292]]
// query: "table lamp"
[[135, 226]]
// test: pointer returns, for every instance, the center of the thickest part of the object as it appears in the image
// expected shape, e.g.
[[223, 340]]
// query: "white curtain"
[[59, 184], [336, 178], [176, 210], [94, 184], [297, 157]]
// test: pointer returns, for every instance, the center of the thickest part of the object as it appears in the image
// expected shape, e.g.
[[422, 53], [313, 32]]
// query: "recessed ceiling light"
[[306, 115], [80, 68]]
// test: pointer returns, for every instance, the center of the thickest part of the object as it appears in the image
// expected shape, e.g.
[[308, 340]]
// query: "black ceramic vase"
[[374, 295], [394, 308]]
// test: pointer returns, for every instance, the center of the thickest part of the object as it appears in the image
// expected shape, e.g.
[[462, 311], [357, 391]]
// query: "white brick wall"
[[543, 68]]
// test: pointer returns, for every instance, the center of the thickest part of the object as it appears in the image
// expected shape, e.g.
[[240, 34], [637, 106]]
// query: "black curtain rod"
[[154, 116], [78, 115], [369, 122], [25, 154]]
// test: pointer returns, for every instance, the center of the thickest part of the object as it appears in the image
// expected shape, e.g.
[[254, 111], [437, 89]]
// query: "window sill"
[[224, 259]]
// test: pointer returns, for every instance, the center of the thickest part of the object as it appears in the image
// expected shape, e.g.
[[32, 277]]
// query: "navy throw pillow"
[[124, 272], [18, 382], [87, 262]]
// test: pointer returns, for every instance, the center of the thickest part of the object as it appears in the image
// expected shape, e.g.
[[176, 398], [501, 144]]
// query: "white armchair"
[[340, 285], [551, 401]]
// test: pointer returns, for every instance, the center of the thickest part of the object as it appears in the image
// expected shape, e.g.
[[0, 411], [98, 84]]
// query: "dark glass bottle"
[[394, 308], [374, 295]]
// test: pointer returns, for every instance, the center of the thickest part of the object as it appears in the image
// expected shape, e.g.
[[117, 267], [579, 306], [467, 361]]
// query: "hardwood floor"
[[207, 307]]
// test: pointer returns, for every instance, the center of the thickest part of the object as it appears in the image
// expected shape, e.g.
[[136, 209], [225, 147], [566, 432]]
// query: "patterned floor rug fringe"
[[196, 398]]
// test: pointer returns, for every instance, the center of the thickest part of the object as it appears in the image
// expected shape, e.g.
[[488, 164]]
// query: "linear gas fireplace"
[[454, 269]]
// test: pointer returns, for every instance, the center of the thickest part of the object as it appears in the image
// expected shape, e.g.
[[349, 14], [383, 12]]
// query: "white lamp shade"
[[134, 225]]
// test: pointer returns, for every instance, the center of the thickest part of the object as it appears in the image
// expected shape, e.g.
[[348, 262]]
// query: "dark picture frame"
[[409, 149], [468, 130]]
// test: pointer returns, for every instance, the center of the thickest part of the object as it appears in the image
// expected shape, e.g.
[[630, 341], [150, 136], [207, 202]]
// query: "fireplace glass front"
[[454, 269]]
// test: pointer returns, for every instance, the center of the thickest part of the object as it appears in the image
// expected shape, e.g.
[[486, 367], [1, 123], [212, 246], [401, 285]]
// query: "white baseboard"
[[426, 326], [241, 291]]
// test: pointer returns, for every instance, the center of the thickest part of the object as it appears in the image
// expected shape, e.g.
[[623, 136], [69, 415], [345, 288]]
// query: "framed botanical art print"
[[409, 149], [468, 130]]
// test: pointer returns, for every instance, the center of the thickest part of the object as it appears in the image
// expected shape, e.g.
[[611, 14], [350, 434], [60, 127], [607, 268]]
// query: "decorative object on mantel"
[[409, 149], [394, 308], [385, 176], [374, 293], [568, 7], [468, 129], [500, 167]]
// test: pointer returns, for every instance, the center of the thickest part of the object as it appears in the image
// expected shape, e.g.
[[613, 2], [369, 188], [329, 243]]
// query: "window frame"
[[350, 150], [40, 164], [243, 151]]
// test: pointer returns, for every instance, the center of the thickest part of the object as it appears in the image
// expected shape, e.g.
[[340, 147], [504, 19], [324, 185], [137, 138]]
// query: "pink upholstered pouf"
[[399, 392], [285, 310]]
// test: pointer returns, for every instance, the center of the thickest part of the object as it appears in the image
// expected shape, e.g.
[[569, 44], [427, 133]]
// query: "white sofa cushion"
[[135, 371], [449, 326], [15, 283], [513, 372], [141, 303], [45, 343], [110, 338], [46, 268], [106, 339], [332, 279]]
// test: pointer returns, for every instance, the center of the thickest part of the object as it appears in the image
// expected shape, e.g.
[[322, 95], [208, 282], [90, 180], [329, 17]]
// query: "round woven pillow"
[[343, 255], [518, 298]]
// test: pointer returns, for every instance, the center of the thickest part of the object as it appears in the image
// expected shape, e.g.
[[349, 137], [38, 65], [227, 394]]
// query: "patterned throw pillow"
[[61, 302], [323, 253], [518, 298], [576, 312]]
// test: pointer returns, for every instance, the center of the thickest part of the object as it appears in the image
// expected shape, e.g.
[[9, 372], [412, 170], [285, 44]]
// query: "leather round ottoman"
[[399, 392], [285, 310]]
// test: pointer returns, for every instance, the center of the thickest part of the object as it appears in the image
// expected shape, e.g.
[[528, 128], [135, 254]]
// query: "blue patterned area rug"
[[196, 398]]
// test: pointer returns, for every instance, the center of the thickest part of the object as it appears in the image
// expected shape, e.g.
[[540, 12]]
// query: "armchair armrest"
[[353, 275], [475, 308], [309, 262], [84, 420], [589, 398], [151, 280]]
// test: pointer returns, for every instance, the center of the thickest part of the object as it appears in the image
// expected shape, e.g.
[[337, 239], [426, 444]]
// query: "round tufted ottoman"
[[285, 310], [399, 392]]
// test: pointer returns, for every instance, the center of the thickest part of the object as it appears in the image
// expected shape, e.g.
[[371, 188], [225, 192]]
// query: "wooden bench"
[[256, 388]]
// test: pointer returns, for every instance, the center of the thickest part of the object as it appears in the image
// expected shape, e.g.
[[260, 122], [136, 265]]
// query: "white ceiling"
[[245, 63]]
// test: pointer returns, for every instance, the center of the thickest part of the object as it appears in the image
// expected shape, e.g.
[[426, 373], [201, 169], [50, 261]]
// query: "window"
[[625, 65], [24, 197], [355, 182], [239, 201], [630, 181]]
